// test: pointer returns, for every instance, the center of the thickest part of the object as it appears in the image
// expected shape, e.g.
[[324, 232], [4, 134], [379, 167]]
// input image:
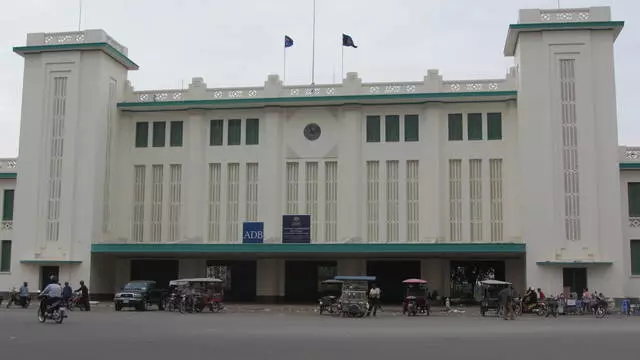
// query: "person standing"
[[506, 297], [374, 300], [84, 296], [24, 295], [67, 294]]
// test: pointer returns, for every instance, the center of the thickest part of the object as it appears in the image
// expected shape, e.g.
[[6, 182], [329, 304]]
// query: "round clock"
[[312, 132]]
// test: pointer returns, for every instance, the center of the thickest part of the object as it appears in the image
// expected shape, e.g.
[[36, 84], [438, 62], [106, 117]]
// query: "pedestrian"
[[84, 296], [506, 297], [374, 300], [67, 294], [24, 294]]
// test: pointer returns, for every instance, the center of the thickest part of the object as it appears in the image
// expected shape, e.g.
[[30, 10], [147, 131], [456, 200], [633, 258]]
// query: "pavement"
[[161, 335]]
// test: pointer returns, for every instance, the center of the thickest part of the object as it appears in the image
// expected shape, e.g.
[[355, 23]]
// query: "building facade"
[[275, 188]]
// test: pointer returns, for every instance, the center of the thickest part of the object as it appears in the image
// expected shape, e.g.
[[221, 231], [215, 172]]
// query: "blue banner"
[[296, 229], [253, 233]]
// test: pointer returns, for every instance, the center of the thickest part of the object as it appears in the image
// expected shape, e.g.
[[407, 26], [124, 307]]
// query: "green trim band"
[[353, 99], [565, 263], [103, 46], [310, 248], [51, 262], [8, 175], [629, 166]]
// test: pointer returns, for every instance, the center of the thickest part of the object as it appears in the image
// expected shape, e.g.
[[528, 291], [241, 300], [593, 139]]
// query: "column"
[[194, 208], [270, 205], [352, 267], [349, 172], [431, 172], [434, 271], [270, 280]]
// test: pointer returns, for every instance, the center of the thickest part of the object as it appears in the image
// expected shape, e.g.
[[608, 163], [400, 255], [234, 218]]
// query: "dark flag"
[[288, 42], [348, 41]]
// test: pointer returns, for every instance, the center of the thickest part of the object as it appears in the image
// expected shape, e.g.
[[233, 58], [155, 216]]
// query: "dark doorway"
[[160, 271], [575, 279], [239, 277], [303, 278], [45, 274], [390, 275], [465, 274]]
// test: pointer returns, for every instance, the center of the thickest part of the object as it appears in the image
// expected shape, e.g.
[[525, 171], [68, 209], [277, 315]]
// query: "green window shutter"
[[411, 128], [7, 205], [392, 128], [455, 127], [142, 134], [633, 194], [494, 126], [474, 126], [373, 128], [175, 134], [159, 134], [252, 132], [234, 132], [635, 257], [216, 131], [5, 256]]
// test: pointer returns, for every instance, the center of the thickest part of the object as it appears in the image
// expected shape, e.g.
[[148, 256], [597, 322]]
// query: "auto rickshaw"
[[487, 294], [416, 299], [331, 290], [194, 295], [354, 301]]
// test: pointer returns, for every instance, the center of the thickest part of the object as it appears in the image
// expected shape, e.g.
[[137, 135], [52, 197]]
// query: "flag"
[[348, 41], [288, 42]]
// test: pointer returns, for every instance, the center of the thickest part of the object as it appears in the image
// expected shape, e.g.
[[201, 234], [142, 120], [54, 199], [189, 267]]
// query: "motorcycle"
[[14, 298], [56, 312]]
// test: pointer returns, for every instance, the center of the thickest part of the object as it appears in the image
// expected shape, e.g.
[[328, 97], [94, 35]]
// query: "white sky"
[[240, 42]]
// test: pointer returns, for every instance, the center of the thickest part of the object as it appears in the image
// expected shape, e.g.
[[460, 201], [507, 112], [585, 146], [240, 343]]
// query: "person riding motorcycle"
[[51, 295], [84, 296]]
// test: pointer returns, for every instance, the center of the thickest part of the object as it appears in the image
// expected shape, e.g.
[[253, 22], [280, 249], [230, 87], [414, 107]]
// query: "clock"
[[312, 132]]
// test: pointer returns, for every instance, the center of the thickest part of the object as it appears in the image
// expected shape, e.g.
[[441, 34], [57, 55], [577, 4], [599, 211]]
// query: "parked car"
[[139, 294]]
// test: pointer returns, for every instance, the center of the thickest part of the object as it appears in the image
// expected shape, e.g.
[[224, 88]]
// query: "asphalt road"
[[155, 335]]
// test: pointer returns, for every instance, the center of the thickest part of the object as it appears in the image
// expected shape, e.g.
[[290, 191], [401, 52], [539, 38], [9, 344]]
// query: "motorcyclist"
[[84, 299], [51, 295]]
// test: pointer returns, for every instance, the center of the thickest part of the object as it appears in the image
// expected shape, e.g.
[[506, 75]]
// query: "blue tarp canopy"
[[355, 278]]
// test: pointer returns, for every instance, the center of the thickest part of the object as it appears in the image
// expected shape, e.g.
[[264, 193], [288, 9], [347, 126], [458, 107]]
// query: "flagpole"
[[313, 51], [80, 17], [284, 66], [342, 63]]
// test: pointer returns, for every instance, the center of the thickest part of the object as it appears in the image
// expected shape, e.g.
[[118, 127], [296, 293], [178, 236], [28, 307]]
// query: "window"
[[252, 132], [455, 127], [633, 194], [474, 126], [159, 133], [411, 128], [392, 128], [5, 256], [175, 134], [494, 126], [7, 205], [142, 134], [234, 132], [635, 257], [216, 131], [373, 128]]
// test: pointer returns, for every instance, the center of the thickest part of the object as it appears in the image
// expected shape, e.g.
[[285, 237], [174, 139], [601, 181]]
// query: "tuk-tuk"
[[487, 294], [331, 290], [194, 295], [416, 298], [354, 300]]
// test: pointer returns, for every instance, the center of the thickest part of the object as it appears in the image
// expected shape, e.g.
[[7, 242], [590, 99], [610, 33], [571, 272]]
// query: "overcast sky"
[[240, 42]]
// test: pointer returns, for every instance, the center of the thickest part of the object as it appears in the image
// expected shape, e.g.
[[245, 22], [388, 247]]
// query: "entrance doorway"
[[46, 272], [575, 279]]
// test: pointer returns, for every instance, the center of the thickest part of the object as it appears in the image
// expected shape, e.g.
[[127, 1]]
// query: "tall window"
[[633, 195], [455, 127], [413, 201], [635, 257], [252, 192], [311, 197], [392, 128], [215, 184], [56, 146], [373, 201], [292, 188], [175, 135], [455, 199], [216, 132], [393, 204], [234, 132], [137, 228], [331, 201], [7, 204], [411, 128], [373, 128], [156, 202], [159, 133], [494, 126], [5, 256], [233, 196], [142, 134], [252, 132], [175, 202], [475, 199], [474, 126]]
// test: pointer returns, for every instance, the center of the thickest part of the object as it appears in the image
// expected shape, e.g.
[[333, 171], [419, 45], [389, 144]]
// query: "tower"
[[72, 83]]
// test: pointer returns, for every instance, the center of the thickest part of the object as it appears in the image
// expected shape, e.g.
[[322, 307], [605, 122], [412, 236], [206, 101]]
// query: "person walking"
[[67, 294], [374, 300], [506, 297]]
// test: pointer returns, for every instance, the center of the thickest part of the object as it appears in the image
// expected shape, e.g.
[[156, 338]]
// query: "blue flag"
[[348, 41], [288, 42]]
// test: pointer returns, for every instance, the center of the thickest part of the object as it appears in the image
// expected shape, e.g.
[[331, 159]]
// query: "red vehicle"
[[214, 295], [416, 299]]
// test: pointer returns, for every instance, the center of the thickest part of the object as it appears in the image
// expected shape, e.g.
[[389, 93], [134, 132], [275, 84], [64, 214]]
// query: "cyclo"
[[416, 299], [354, 301], [487, 294], [194, 295], [331, 290]]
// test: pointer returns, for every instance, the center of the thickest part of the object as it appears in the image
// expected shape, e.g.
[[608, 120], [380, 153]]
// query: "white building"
[[518, 177]]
